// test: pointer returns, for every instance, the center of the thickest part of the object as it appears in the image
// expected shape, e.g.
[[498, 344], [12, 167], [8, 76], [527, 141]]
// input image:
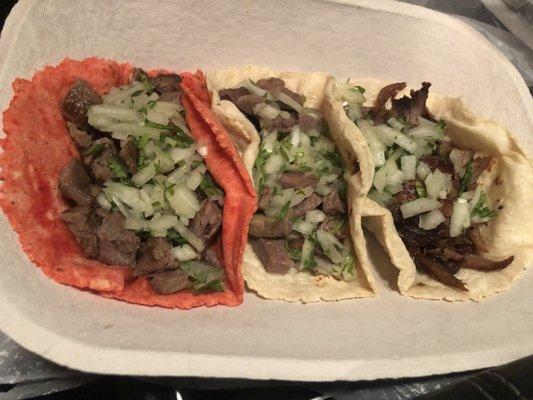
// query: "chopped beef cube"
[[410, 108], [82, 222], [264, 198], [207, 221], [311, 202], [165, 82], [233, 94], [295, 241], [338, 226], [169, 282], [171, 97], [274, 85], [472, 261], [77, 101], [281, 123], [129, 154], [269, 227], [100, 165], [81, 138], [210, 257], [75, 183], [332, 203], [297, 180], [309, 122], [154, 256], [117, 245], [479, 165], [444, 148], [273, 255], [247, 103]]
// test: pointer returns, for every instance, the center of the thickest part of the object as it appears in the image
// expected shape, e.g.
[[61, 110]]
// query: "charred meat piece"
[[100, 166], [472, 261], [474, 235], [169, 282], [297, 180], [309, 122], [82, 222], [165, 82], [269, 227], [337, 226], [281, 123], [273, 255], [276, 85], [295, 241], [75, 183], [129, 154], [81, 138], [410, 108], [378, 112], [207, 221], [332, 203], [437, 271], [264, 198], [210, 256], [117, 245], [233, 95], [154, 256], [311, 202], [171, 97], [77, 101], [443, 148], [479, 165], [415, 237], [247, 103], [436, 162]]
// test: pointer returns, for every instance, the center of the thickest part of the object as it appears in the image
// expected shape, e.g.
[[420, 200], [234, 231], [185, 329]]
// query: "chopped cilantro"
[[142, 141], [467, 176], [348, 264], [118, 168], [151, 104], [261, 160], [175, 237], [310, 264], [156, 204], [342, 188], [333, 157], [209, 188], [169, 188], [358, 89], [295, 254], [481, 210], [151, 124], [136, 93], [420, 189], [284, 211], [441, 124], [94, 150], [183, 141], [142, 77], [283, 152]]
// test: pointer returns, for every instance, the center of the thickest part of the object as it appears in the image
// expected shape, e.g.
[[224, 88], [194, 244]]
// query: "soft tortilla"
[[508, 234], [293, 286]]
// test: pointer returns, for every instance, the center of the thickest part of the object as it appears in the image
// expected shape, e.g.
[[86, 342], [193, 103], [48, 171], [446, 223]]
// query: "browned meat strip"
[[388, 92], [332, 203], [170, 97], [311, 202], [82, 222], [207, 221], [269, 227], [295, 241], [433, 268], [77, 101], [75, 183], [472, 261], [129, 154], [100, 166], [273, 255], [474, 235], [464, 157], [280, 123], [264, 198], [210, 256], [170, 281], [165, 82], [479, 165], [154, 256], [337, 226], [232, 94], [436, 162], [247, 103], [410, 108], [308, 122], [81, 138], [297, 180], [117, 245], [443, 148], [274, 85]]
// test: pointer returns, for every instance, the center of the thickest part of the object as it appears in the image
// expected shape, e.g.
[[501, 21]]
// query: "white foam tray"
[[390, 336]]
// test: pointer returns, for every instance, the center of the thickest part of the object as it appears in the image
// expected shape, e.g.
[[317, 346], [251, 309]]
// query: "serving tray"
[[387, 337]]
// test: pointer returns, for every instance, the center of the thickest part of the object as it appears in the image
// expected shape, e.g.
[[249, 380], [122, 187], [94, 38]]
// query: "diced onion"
[[426, 132], [390, 170], [189, 236], [314, 216], [385, 134], [376, 147], [438, 184], [307, 252], [380, 198], [408, 164], [183, 253], [103, 201], [305, 228], [289, 101], [295, 136], [418, 206], [266, 111], [178, 154], [144, 175], [161, 223], [405, 142], [422, 170], [395, 124], [183, 201], [431, 220], [128, 195], [254, 89], [460, 217], [329, 244], [194, 179], [269, 141], [273, 164]]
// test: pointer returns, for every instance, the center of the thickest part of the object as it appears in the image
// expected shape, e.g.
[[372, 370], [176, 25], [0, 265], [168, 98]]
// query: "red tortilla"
[[38, 145]]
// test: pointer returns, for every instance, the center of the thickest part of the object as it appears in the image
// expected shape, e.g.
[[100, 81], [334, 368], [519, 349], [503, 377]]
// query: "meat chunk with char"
[[100, 166], [82, 223], [233, 95], [171, 97], [275, 85], [75, 183], [297, 180], [81, 138], [117, 245], [164, 83], [337, 226], [309, 122], [413, 107], [207, 221], [311, 202], [273, 255], [282, 122], [77, 101], [479, 165], [332, 203], [210, 256], [269, 227], [129, 154], [247, 103], [154, 255], [169, 282], [264, 198]]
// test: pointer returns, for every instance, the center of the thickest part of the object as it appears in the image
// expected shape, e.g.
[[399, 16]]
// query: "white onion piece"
[[408, 164], [295, 136], [269, 141], [438, 184], [395, 124], [405, 142], [380, 198], [314, 216], [183, 253], [418, 206], [266, 111], [103, 201], [289, 101], [161, 223], [273, 164], [305, 228], [254, 89], [431, 220], [426, 133], [307, 252], [422, 170], [385, 134], [128, 195], [329, 244], [144, 175], [460, 217], [194, 179], [376, 147], [178, 154], [189, 236], [183, 201], [382, 176]]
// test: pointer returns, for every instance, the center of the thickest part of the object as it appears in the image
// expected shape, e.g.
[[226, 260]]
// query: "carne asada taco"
[[448, 192], [303, 236], [124, 183]]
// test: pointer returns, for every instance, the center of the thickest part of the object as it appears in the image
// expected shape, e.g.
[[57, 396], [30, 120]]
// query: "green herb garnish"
[[136, 93], [441, 124], [295, 254], [209, 188], [333, 158], [358, 89], [142, 141], [420, 189], [176, 238], [467, 176], [284, 211], [94, 150], [151, 124], [118, 168], [481, 210], [142, 77]]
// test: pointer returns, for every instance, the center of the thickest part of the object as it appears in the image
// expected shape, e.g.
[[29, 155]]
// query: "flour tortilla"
[[510, 233], [293, 286]]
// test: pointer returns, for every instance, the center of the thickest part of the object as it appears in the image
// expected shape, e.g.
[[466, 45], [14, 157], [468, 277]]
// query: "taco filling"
[[302, 222], [431, 186], [141, 195]]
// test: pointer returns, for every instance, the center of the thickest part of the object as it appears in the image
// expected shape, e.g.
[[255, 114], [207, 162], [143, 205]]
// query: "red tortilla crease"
[[36, 147]]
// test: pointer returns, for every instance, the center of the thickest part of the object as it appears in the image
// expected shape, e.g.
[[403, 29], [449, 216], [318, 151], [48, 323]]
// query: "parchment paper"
[[391, 336]]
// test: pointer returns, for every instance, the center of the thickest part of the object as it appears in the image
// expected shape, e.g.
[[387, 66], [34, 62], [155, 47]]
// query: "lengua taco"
[[124, 183], [448, 192], [303, 236]]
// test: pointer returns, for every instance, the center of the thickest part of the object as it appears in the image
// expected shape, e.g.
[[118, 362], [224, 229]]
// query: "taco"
[[447, 192], [124, 183], [303, 236]]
